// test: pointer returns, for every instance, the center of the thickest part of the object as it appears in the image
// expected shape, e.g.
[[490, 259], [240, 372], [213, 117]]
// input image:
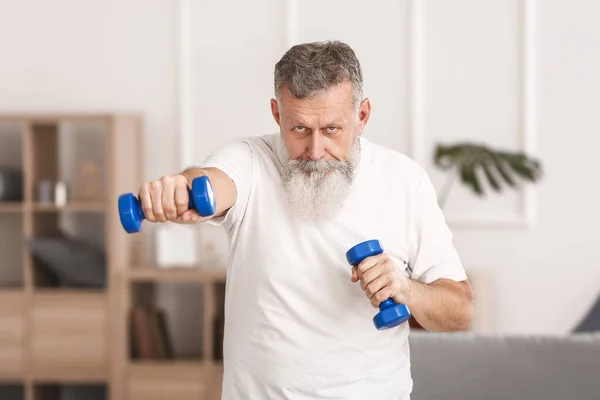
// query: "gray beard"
[[316, 190]]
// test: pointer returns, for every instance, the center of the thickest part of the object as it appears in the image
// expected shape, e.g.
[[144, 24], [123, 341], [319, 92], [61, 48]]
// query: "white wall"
[[107, 55], [123, 55], [547, 276], [476, 66]]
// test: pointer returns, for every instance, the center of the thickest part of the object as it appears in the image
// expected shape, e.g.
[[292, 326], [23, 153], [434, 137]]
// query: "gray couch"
[[470, 366]]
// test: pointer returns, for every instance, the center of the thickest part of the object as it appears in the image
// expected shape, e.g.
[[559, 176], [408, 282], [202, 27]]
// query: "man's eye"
[[299, 128], [332, 129]]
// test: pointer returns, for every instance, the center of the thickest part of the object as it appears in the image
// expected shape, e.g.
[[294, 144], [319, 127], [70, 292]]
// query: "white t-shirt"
[[296, 327]]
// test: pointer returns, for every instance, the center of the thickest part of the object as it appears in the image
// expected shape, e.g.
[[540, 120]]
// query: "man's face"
[[321, 128], [321, 142]]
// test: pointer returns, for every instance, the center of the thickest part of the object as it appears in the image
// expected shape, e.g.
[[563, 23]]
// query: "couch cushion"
[[466, 365]]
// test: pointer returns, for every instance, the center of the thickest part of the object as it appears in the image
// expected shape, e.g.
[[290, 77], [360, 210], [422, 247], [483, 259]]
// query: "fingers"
[[381, 296], [371, 274], [370, 268], [376, 285], [166, 199], [189, 217], [146, 201], [377, 276], [182, 198], [370, 262], [156, 190]]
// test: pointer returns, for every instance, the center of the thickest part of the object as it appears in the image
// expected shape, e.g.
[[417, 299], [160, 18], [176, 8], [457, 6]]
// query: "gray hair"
[[309, 68]]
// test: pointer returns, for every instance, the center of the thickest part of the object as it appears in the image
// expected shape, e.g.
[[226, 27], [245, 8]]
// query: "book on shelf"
[[149, 334]]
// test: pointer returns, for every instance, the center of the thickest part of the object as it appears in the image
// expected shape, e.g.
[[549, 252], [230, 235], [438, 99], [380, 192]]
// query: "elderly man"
[[298, 317]]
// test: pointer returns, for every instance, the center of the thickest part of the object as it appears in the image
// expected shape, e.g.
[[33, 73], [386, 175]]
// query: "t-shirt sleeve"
[[432, 253], [236, 160]]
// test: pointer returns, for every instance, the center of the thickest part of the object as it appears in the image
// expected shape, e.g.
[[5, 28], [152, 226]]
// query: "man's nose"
[[316, 147]]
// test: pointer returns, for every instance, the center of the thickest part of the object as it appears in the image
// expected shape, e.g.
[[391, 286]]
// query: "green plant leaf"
[[524, 167], [486, 166], [469, 177], [502, 170], [497, 166]]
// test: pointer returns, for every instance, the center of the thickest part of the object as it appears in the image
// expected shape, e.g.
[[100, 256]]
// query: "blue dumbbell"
[[202, 199], [390, 314]]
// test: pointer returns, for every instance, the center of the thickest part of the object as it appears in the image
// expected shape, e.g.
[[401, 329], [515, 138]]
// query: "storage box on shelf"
[[12, 391]]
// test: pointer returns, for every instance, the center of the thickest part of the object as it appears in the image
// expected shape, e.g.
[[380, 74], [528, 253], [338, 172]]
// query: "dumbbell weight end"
[[390, 315], [130, 213]]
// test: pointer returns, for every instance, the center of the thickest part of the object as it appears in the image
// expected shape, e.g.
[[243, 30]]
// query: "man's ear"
[[364, 112], [275, 111]]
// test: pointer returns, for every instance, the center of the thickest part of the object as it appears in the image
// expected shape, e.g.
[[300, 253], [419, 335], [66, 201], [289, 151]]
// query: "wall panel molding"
[[184, 82], [291, 23], [417, 125], [528, 124], [185, 76]]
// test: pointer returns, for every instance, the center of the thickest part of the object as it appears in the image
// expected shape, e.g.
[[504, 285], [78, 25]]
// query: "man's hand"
[[381, 279], [167, 199], [442, 306]]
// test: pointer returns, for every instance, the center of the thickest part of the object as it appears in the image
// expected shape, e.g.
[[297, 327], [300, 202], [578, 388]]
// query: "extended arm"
[[229, 170]]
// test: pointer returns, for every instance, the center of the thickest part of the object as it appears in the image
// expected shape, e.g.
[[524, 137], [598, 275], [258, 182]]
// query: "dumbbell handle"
[[363, 250], [384, 319], [139, 212], [201, 199]]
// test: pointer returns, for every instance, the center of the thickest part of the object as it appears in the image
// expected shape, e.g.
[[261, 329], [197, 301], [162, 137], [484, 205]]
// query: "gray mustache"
[[319, 166]]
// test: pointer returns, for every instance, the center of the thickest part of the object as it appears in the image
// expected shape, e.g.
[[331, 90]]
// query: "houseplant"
[[471, 164]]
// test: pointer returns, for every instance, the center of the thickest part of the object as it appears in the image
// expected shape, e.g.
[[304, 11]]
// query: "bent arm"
[[224, 188], [444, 305]]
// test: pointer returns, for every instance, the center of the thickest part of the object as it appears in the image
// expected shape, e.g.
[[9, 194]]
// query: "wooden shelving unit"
[[11, 207], [176, 274], [185, 376], [55, 334], [76, 206]]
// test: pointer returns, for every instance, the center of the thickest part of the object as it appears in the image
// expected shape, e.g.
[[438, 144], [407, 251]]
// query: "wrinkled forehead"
[[331, 106]]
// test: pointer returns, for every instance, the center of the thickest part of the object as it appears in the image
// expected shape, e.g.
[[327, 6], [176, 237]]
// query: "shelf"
[[176, 274], [166, 367], [11, 207], [54, 117], [180, 380], [76, 206], [79, 206], [68, 292], [169, 365], [11, 291]]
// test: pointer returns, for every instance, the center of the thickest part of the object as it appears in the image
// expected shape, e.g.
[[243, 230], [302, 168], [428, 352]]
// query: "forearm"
[[442, 306], [223, 187]]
